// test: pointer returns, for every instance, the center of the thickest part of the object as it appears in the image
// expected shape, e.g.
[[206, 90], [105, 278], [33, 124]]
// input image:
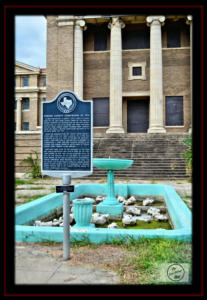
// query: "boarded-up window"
[[135, 39], [174, 111], [100, 111], [100, 39]]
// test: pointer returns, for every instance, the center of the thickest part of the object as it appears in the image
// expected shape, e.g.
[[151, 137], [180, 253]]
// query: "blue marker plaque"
[[67, 136]]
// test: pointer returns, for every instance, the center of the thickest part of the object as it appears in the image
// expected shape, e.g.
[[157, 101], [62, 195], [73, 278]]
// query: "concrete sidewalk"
[[34, 266]]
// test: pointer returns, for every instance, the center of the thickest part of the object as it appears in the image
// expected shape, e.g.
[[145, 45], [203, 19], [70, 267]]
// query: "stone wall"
[[24, 144], [59, 58]]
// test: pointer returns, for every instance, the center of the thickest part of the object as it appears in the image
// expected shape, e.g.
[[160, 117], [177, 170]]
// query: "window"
[[25, 103], [43, 99], [25, 81], [100, 39], [44, 81], [100, 111], [173, 35], [174, 110], [26, 126], [139, 39], [136, 71]]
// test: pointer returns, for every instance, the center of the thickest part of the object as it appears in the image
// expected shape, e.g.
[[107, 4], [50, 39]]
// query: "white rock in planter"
[[147, 201], [71, 218], [113, 225], [60, 219], [37, 223], [153, 211], [99, 219], [130, 201], [61, 225], [100, 198], [145, 218], [159, 217], [133, 210], [121, 199], [46, 223], [129, 220], [55, 223]]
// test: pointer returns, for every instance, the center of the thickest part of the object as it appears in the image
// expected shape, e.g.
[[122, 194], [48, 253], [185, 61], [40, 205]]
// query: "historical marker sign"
[[67, 136]]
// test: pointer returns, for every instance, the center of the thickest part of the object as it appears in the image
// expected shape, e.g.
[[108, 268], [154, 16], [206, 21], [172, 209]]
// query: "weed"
[[34, 165], [102, 180], [187, 154]]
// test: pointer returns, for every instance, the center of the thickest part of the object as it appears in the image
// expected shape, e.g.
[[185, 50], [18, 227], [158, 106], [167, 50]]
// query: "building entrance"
[[137, 115]]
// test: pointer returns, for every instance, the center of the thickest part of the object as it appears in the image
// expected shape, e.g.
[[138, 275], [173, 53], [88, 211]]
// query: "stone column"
[[156, 82], [116, 124], [190, 22], [19, 115], [34, 115], [78, 57]]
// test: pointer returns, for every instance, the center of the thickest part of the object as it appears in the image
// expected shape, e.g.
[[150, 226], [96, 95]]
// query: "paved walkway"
[[34, 266]]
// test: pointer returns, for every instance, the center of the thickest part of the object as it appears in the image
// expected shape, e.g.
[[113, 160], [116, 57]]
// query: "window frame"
[[131, 65]]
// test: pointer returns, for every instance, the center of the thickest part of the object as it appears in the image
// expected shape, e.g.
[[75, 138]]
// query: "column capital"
[[189, 19], [81, 23], [18, 99], [155, 20], [116, 22]]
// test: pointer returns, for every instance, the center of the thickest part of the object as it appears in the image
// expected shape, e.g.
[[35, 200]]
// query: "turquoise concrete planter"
[[82, 210], [179, 213]]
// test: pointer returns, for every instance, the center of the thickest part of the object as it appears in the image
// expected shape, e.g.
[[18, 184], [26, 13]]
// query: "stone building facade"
[[136, 69], [138, 72], [30, 91]]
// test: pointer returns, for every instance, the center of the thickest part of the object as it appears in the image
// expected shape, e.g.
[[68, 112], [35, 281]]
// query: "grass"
[[142, 258], [25, 181], [29, 199], [149, 254]]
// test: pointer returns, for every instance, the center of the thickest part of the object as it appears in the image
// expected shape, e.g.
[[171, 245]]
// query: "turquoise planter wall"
[[180, 215]]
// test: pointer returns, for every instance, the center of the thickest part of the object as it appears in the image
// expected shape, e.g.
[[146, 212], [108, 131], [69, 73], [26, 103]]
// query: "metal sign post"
[[66, 219]]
